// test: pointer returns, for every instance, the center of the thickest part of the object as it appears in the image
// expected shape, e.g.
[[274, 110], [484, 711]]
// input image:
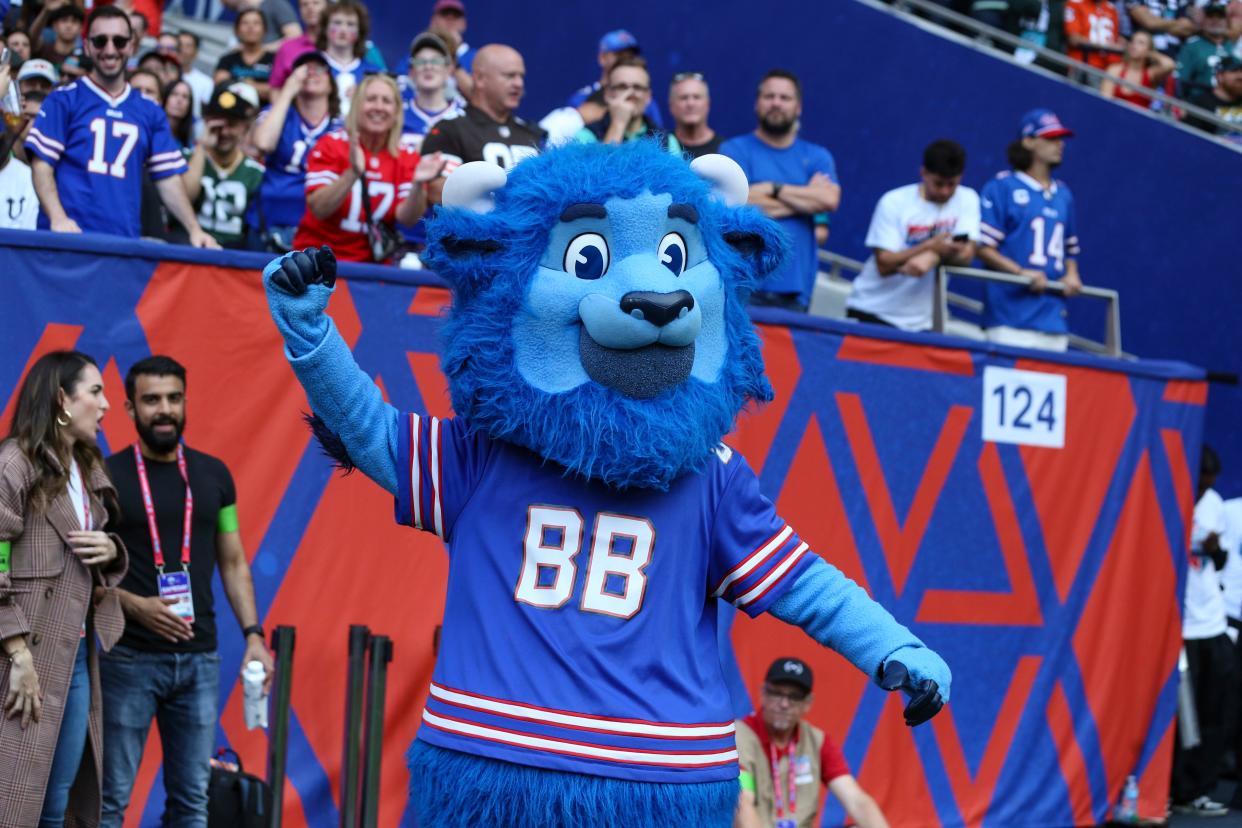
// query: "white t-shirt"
[[1231, 575], [902, 219], [19, 204], [1205, 603], [77, 494], [202, 87]]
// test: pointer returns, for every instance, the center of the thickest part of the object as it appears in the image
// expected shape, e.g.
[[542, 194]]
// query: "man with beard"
[[94, 139], [1028, 229], [790, 180], [178, 521]]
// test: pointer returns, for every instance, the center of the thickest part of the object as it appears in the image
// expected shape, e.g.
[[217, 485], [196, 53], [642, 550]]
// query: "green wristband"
[[226, 521], [747, 780], [6, 549]]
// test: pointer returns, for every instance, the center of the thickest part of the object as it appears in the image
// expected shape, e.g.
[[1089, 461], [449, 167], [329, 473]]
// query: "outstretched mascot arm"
[[298, 287], [839, 614]]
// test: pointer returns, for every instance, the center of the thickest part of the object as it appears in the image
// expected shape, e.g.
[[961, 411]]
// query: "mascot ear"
[[757, 239], [473, 185], [728, 182]]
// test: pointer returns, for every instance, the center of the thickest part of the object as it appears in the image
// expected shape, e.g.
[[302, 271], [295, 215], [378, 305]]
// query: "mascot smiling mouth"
[[641, 373]]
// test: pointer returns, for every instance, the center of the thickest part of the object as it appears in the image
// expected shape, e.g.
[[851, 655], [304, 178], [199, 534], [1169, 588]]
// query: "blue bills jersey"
[[418, 120], [100, 147], [1036, 228], [578, 586], [283, 194]]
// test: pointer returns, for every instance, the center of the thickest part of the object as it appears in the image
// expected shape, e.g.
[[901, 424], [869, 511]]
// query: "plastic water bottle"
[[256, 700], [1127, 809]]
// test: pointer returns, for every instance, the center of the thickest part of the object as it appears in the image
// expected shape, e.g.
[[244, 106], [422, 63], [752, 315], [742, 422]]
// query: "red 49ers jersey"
[[389, 182]]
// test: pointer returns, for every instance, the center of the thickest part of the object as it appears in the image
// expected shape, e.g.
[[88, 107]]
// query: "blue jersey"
[[418, 120], [795, 164], [580, 588], [347, 77], [100, 147], [1036, 228], [283, 194]]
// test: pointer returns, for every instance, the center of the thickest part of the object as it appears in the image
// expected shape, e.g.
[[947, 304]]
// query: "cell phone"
[[961, 237]]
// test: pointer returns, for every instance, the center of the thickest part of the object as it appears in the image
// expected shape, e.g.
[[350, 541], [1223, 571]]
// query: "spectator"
[[251, 62], [166, 666], [19, 44], [489, 121], [139, 22], [100, 179], [54, 498], [1166, 20], [365, 160], [1006, 15], [19, 205], [425, 99], [304, 110], [1029, 229], [152, 12], [168, 43], [343, 32], [1224, 99], [449, 17], [1092, 32], [146, 83], [914, 230], [66, 22], [164, 65], [1199, 57], [689, 102], [178, 100], [784, 760], [311, 12], [627, 96], [280, 21], [222, 181], [74, 68], [790, 180], [1141, 64], [615, 46], [199, 81], [36, 76], [1209, 653], [1042, 25]]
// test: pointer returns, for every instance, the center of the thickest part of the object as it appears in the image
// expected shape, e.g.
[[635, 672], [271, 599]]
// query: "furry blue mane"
[[592, 430]]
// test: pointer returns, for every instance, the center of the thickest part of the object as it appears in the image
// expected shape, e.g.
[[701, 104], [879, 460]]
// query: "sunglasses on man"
[[100, 42]]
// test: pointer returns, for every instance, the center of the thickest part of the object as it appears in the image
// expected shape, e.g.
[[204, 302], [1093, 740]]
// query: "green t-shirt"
[[1196, 63], [224, 204]]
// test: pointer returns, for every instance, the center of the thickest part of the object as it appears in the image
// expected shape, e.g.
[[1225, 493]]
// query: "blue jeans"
[[179, 690], [69, 744]]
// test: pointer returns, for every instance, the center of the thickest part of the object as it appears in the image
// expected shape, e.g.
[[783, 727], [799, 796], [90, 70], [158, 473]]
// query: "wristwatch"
[[254, 629]]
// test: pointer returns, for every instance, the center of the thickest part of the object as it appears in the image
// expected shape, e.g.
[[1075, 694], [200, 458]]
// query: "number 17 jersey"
[[100, 146], [580, 627]]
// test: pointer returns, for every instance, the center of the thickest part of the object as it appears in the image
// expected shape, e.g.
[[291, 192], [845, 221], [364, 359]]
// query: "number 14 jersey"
[[580, 629]]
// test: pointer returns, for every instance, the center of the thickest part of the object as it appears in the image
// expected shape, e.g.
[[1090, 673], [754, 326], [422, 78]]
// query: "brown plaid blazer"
[[47, 597]]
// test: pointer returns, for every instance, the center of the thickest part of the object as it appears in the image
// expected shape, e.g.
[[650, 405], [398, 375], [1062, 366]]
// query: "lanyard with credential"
[[776, 781], [149, 505]]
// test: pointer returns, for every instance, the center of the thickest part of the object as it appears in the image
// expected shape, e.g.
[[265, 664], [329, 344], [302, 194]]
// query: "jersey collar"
[[111, 101], [1035, 185]]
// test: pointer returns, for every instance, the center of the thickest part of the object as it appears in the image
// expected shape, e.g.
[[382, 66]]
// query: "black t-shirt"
[[476, 137], [1225, 110], [260, 71], [213, 490], [706, 148]]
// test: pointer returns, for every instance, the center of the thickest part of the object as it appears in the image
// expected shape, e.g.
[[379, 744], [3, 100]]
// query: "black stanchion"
[[283, 639], [354, 696], [377, 683]]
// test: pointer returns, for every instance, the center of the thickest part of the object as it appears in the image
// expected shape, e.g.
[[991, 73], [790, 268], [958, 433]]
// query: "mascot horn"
[[597, 351]]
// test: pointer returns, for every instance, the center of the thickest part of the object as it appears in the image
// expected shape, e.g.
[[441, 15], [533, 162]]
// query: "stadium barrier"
[[1025, 514]]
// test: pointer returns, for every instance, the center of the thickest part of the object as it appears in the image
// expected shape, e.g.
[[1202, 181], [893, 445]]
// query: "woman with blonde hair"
[[57, 574], [361, 181]]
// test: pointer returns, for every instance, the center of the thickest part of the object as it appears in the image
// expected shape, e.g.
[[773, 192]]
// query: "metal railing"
[[834, 266], [947, 20]]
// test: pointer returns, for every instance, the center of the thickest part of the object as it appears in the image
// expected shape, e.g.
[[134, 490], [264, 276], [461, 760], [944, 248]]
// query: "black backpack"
[[236, 799]]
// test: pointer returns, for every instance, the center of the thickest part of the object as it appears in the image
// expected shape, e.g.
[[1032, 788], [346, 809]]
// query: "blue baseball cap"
[[1044, 123], [617, 40]]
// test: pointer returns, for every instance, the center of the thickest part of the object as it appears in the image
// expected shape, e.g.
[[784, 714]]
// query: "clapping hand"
[[429, 167]]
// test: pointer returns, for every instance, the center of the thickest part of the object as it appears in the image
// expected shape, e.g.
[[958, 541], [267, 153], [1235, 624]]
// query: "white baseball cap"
[[38, 68]]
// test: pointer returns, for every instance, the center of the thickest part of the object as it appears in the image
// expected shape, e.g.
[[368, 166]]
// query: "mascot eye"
[[673, 253], [587, 256]]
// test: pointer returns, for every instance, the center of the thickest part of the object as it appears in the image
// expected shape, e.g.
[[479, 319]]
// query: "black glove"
[[305, 267], [925, 699]]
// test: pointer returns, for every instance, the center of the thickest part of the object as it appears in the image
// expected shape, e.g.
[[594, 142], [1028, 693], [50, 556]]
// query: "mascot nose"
[[657, 308]]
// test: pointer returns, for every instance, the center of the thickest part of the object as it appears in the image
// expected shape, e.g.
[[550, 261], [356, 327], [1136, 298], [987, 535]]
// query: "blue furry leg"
[[449, 789]]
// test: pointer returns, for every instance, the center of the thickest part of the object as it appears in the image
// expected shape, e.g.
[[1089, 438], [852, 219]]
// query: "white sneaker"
[[1202, 806]]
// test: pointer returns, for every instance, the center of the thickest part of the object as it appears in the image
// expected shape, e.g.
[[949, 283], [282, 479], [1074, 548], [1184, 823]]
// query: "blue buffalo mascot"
[[597, 351]]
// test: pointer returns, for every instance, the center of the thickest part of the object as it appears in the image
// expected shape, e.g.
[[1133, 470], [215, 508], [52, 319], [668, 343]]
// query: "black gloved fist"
[[925, 700], [305, 267]]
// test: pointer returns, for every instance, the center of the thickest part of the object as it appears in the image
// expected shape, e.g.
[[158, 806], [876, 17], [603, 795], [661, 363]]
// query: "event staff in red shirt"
[[367, 154]]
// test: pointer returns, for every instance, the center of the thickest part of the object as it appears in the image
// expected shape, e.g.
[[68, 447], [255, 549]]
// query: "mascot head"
[[599, 306]]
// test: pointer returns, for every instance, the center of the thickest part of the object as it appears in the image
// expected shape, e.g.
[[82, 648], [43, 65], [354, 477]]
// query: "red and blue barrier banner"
[[1027, 515]]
